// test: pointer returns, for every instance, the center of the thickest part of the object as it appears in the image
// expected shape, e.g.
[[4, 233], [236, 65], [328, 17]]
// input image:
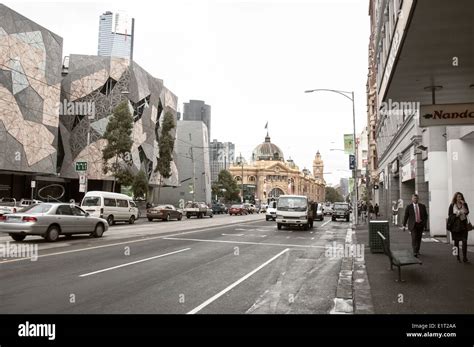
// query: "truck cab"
[[294, 210]]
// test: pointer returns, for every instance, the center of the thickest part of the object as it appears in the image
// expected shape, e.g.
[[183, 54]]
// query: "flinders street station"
[[268, 175]]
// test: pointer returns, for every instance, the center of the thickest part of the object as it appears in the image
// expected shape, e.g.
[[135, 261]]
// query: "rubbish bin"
[[375, 243]]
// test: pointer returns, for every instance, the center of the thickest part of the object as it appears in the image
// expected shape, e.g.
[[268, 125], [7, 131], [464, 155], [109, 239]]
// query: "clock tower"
[[318, 167]]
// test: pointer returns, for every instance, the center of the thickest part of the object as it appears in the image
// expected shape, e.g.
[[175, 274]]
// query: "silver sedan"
[[50, 220]]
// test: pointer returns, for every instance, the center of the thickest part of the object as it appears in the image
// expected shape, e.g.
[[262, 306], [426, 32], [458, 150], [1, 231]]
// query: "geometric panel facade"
[[105, 82], [30, 77]]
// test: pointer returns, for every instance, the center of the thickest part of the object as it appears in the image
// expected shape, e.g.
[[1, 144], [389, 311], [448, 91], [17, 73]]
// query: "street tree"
[[140, 185], [166, 146], [116, 154], [332, 195], [226, 186]]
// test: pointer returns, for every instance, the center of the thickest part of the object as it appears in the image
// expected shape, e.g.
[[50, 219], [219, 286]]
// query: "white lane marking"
[[240, 229], [322, 225], [133, 262], [236, 283], [233, 234], [244, 242], [121, 243]]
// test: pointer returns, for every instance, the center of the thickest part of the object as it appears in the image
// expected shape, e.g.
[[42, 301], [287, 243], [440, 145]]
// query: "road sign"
[[81, 166], [82, 179], [348, 143], [82, 188], [33, 184], [352, 162]]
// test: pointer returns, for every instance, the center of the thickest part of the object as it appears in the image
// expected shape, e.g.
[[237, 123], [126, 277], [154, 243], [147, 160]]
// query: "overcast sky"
[[251, 61]]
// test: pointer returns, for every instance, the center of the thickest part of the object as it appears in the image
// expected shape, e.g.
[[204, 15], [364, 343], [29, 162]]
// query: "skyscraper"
[[198, 110], [116, 35], [222, 156]]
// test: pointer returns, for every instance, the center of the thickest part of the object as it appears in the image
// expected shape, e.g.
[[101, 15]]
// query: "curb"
[[353, 288]]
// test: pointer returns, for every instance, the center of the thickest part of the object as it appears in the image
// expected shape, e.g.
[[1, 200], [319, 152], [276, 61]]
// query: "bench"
[[398, 258]]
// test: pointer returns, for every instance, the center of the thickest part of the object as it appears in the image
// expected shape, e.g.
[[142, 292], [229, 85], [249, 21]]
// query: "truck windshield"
[[341, 206], [91, 201], [292, 204]]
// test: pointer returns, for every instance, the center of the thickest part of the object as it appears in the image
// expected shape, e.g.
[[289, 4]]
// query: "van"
[[113, 207]]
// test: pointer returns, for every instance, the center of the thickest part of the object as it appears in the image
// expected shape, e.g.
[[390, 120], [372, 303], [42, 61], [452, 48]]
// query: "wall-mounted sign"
[[447, 114], [408, 172], [352, 162]]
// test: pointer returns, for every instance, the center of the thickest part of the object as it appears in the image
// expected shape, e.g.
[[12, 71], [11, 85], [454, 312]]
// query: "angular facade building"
[[30, 84], [103, 83]]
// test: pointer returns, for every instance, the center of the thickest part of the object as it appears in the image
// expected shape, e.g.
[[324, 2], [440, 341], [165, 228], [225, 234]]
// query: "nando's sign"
[[448, 114]]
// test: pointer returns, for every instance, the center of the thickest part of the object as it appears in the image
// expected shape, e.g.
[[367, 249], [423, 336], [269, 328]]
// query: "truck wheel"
[[279, 226]]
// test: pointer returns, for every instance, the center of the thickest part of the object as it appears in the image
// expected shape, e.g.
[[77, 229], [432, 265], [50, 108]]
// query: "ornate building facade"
[[268, 175]]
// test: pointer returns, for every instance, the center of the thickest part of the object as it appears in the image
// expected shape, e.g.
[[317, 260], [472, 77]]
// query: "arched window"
[[237, 178]]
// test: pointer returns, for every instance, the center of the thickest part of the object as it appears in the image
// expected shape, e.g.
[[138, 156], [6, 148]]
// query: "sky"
[[251, 61]]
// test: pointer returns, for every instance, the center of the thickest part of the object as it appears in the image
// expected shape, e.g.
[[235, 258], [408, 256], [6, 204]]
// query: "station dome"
[[267, 151]]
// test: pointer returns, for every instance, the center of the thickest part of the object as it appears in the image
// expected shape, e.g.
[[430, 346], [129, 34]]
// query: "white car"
[[113, 207], [271, 211]]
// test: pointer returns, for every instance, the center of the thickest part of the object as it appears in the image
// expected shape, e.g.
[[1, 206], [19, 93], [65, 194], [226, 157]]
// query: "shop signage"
[[447, 114], [408, 172]]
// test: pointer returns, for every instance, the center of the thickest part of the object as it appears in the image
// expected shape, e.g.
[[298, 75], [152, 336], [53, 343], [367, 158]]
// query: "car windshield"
[[292, 204], [160, 207], [38, 208], [91, 201], [341, 206]]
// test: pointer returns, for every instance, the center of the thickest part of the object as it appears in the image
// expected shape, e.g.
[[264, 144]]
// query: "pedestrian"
[[371, 211], [416, 216], [458, 211], [364, 212], [395, 207], [376, 210]]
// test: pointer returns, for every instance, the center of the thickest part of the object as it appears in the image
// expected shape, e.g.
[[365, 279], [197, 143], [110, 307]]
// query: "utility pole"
[[242, 177], [194, 175]]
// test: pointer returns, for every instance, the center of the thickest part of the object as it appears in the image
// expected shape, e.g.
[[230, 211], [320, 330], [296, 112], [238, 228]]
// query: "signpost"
[[81, 166], [352, 162]]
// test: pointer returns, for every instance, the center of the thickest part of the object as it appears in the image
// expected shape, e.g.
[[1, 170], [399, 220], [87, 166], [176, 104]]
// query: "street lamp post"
[[350, 96], [242, 178]]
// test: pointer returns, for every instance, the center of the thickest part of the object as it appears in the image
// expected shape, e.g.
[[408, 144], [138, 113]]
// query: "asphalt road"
[[238, 264]]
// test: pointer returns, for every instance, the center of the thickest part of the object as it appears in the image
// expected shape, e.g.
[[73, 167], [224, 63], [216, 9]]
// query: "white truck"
[[294, 210]]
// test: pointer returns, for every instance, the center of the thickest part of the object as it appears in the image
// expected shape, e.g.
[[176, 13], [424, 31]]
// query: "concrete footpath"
[[441, 285]]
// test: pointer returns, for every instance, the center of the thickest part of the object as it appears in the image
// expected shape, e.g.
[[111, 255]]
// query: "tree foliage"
[[332, 195], [119, 144], [226, 182], [140, 185], [166, 145]]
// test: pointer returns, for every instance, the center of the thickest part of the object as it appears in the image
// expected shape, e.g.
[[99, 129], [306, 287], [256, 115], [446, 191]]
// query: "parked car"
[[50, 220], [319, 213], [24, 203], [341, 210], [250, 208], [197, 209], [262, 208], [219, 208], [8, 205], [113, 207], [163, 212], [238, 210], [271, 211]]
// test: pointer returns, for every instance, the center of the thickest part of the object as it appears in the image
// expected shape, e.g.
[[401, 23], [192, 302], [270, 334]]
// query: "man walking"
[[416, 216]]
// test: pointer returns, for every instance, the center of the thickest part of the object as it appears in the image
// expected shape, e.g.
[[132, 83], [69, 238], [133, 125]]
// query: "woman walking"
[[457, 214]]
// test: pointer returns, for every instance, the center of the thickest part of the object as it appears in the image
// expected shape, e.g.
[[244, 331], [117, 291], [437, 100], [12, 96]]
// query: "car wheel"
[[110, 220], [99, 230], [180, 217], [18, 237], [168, 217], [188, 216], [150, 219], [211, 215], [266, 218], [52, 234], [279, 226], [131, 220]]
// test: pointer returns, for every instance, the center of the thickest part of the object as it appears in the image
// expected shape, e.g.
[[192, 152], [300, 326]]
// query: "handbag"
[[450, 223], [468, 225]]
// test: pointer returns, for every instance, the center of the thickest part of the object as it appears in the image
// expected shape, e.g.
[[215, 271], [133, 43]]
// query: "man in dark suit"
[[416, 216]]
